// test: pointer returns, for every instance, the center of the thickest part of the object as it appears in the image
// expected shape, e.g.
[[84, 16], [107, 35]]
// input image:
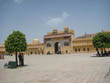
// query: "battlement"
[[66, 30]]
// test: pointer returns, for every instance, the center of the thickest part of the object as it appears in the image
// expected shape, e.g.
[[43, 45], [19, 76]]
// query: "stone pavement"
[[77, 68]]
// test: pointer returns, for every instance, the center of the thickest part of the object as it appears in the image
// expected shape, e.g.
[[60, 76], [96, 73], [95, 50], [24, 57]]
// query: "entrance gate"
[[57, 48]]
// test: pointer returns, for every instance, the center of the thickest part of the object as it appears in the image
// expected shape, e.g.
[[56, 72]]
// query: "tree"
[[101, 40], [16, 42], [106, 40]]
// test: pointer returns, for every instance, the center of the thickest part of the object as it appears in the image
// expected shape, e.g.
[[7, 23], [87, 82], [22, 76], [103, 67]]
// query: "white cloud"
[[57, 20], [18, 1]]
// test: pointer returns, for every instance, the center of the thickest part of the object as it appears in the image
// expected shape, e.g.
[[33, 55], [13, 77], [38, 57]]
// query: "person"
[[105, 53], [102, 53], [1, 56], [108, 53], [48, 53], [20, 58]]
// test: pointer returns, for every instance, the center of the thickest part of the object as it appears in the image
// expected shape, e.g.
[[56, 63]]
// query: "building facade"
[[60, 42]]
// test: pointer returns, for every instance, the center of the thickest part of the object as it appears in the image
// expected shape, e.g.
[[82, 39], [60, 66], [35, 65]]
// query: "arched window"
[[75, 50], [66, 51], [48, 45], [35, 53], [83, 49], [66, 43], [31, 53], [79, 50], [87, 49], [38, 52]]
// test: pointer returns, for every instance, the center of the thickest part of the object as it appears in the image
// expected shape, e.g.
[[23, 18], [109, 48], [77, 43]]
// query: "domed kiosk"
[[35, 41], [35, 48]]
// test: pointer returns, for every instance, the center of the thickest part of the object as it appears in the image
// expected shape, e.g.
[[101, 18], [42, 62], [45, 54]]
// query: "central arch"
[[56, 47]]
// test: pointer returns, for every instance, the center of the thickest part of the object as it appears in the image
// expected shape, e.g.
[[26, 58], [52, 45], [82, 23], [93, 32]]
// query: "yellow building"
[[83, 44], [2, 49], [63, 42], [35, 47]]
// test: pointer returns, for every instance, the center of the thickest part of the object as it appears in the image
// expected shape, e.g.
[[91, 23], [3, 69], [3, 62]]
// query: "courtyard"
[[70, 68]]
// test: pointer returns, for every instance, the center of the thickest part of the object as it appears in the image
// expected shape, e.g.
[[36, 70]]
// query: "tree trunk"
[[105, 52], [16, 56], [97, 52]]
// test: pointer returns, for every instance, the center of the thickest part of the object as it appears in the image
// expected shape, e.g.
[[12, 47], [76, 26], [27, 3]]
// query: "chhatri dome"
[[54, 29], [66, 28], [3, 43], [35, 41]]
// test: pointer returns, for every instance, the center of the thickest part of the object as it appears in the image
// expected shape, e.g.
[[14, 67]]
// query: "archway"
[[57, 47]]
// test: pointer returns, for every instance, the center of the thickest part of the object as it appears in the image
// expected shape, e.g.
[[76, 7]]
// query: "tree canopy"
[[101, 40], [16, 42]]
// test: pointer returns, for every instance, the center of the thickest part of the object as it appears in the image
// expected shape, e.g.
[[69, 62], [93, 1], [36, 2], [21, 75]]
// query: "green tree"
[[16, 42], [106, 40], [101, 40]]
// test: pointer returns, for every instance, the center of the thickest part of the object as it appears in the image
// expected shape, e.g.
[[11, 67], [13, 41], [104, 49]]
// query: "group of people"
[[21, 59], [103, 53], [1, 56]]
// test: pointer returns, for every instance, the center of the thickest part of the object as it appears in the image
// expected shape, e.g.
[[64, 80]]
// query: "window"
[[66, 51], [75, 50], [83, 49], [38, 52], [66, 43], [87, 49], [48, 45], [35, 53], [31, 53], [79, 50]]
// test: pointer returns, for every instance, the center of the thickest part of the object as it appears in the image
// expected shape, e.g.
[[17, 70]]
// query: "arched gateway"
[[57, 40], [56, 47]]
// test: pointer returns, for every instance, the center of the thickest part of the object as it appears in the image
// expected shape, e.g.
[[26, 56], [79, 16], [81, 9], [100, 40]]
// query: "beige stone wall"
[[83, 45], [49, 49], [2, 50], [84, 49], [35, 49], [66, 49]]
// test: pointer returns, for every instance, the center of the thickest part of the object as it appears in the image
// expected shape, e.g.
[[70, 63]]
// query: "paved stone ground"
[[77, 68]]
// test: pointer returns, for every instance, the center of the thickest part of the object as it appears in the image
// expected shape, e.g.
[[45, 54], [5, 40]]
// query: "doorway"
[[56, 47]]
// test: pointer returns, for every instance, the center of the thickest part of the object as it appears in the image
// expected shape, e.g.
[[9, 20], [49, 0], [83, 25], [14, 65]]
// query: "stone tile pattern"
[[76, 68]]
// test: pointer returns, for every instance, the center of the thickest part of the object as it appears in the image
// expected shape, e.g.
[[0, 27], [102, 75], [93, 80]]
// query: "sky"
[[37, 17]]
